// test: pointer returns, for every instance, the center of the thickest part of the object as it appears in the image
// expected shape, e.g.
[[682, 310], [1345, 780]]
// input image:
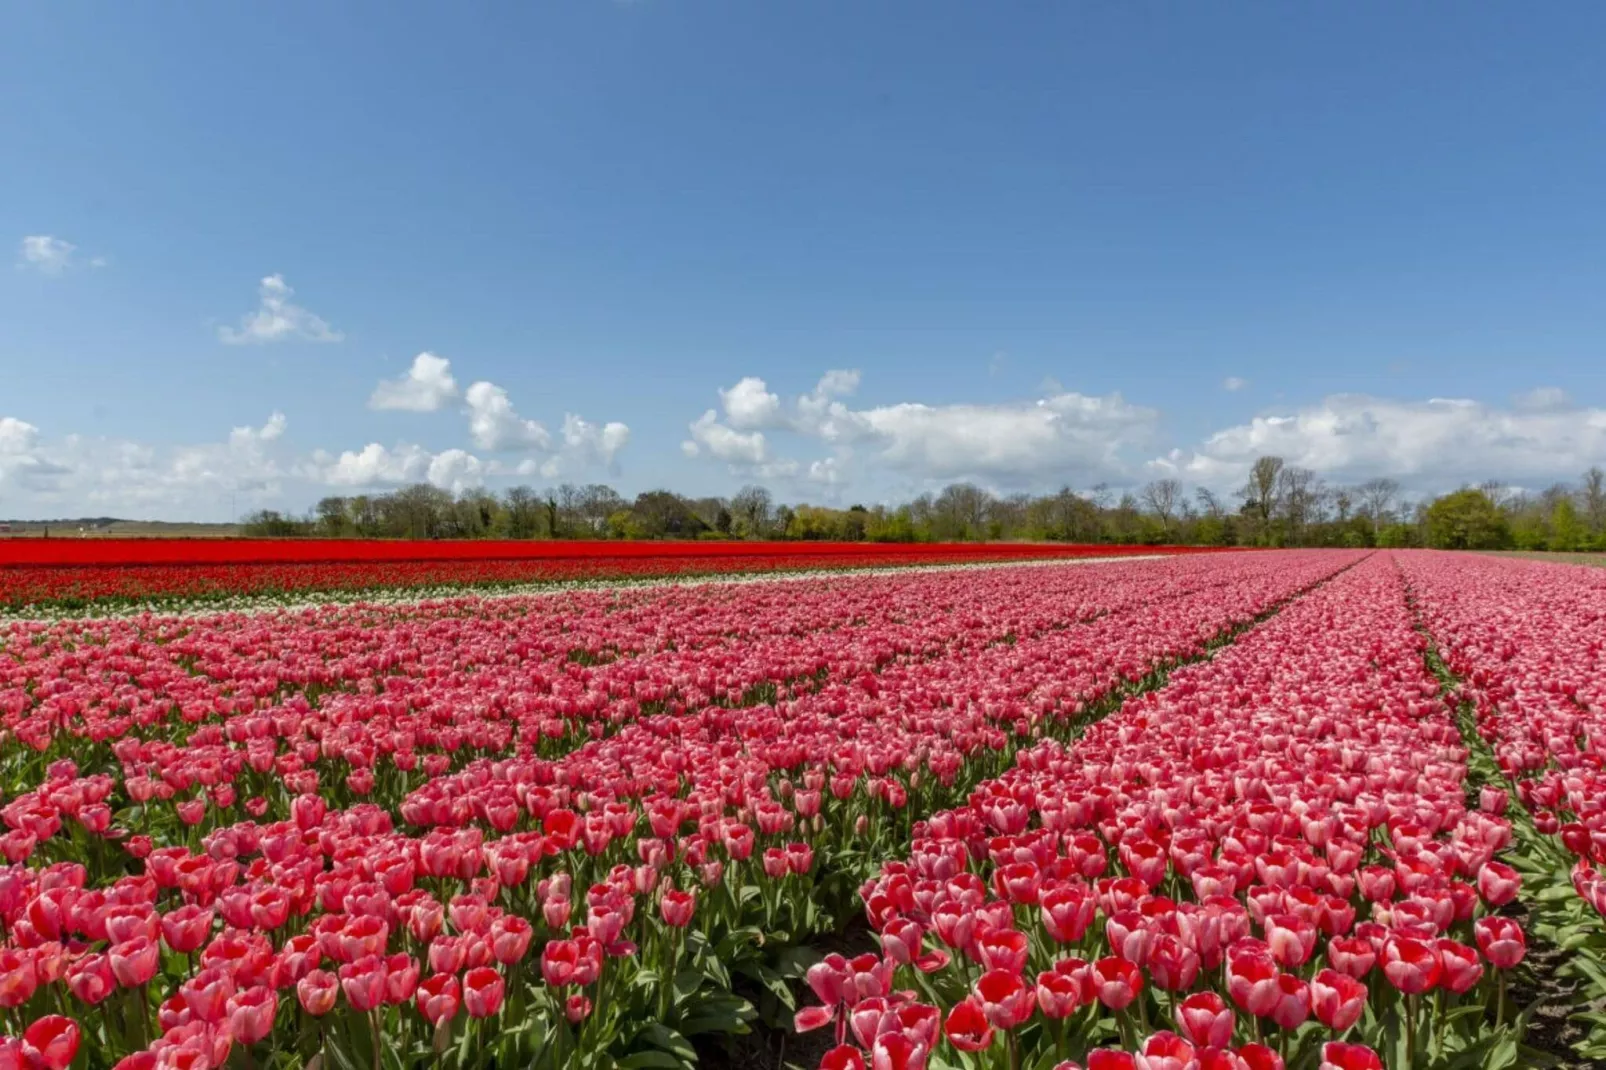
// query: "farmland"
[[97, 573], [1328, 809]]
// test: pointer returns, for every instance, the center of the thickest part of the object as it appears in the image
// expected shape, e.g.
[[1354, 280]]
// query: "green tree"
[[1467, 520], [1567, 529]]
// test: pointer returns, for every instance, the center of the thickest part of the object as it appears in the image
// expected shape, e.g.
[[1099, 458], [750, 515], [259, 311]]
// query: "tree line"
[[1278, 505]]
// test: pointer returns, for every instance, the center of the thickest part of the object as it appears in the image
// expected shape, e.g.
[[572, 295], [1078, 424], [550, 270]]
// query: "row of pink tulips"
[[1268, 862], [360, 864]]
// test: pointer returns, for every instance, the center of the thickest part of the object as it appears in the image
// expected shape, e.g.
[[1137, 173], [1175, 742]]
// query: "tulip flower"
[[1337, 999], [1005, 997], [251, 1012], [438, 998], [1293, 1002], [1337, 1056], [483, 989], [967, 1026], [1411, 965], [1206, 1020], [318, 992], [1501, 940], [50, 1042], [1459, 968], [677, 908]]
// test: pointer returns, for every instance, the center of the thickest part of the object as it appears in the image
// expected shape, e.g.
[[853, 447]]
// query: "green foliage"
[[1467, 520]]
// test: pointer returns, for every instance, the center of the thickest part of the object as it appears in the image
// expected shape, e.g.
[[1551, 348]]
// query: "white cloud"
[[587, 443], [79, 475], [456, 470], [493, 424], [1061, 436], [1430, 445], [16, 437], [722, 443], [1233, 383], [426, 387], [373, 465], [277, 319], [46, 254], [749, 404], [379, 467]]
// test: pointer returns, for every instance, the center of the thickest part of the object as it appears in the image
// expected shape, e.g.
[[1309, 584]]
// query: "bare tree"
[[523, 512], [1262, 492], [1592, 496], [751, 507], [1299, 493], [1162, 496], [1209, 504], [1377, 500], [1344, 503]]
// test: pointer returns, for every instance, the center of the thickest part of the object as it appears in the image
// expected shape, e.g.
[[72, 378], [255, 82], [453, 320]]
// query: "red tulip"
[[1166, 1051], [1338, 1000], [510, 938], [18, 977], [1252, 982], [1118, 981], [134, 962], [1206, 1020], [843, 1057], [1066, 910], [186, 928], [1293, 1002], [967, 1026], [1110, 1059], [207, 994], [483, 990], [1336, 1056], [1290, 939], [1498, 884], [677, 908], [1459, 968], [438, 998], [251, 1014], [1501, 940], [1260, 1057], [1411, 965], [318, 992], [1058, 995], [1005, 997], [1003, 949], [50, 1043], [90, 979]]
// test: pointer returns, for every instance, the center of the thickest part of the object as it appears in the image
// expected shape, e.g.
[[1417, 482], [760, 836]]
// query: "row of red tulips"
[[207, 814], [1267, 863], [44, 572]]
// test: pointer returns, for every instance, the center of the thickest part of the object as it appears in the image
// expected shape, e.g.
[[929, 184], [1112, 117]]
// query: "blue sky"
[[1048, 237]]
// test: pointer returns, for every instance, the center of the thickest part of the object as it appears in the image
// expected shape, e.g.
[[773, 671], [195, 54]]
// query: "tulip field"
[[1305, 809], [57, 574]]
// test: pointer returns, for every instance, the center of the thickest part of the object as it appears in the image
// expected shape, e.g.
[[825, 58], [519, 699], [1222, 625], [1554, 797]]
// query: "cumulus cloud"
[[1430, 445], [749, 404], [1233, 383], [711, 438], [80, 475], [493, 424], [46, 254], [1016, 444], [17, 437], [277, 319], [381, 467], [426, 387], [588, 443]]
